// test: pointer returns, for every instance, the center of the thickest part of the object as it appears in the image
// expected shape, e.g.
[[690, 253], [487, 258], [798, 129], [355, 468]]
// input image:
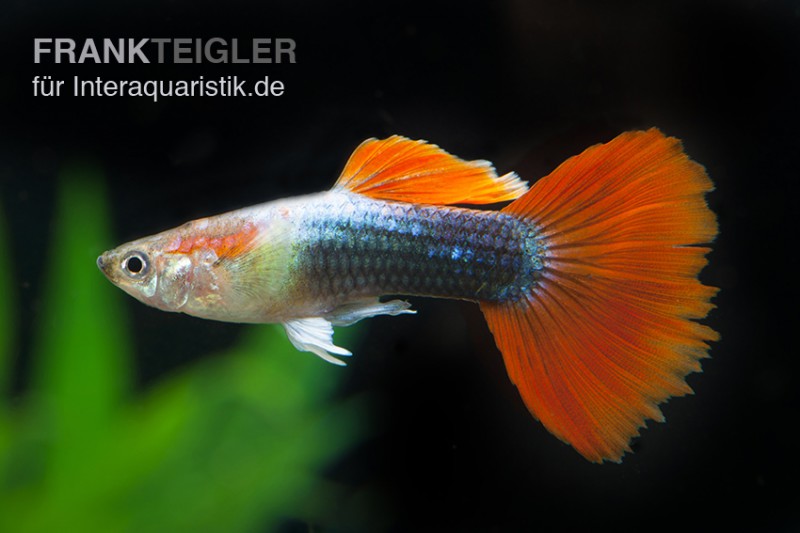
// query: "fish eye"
[[135, 264]]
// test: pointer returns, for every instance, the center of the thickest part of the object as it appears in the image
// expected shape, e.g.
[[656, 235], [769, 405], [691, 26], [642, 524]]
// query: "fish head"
[[146, 270], [229, 268]]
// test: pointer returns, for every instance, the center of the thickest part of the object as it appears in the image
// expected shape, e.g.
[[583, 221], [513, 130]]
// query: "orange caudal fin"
[[608, 332], [414, 171]]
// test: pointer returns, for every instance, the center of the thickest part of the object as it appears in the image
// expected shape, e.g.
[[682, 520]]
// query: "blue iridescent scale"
[[356, 247]]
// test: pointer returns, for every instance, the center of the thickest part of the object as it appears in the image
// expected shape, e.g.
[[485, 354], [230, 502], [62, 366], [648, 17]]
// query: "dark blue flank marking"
[[377, 248]]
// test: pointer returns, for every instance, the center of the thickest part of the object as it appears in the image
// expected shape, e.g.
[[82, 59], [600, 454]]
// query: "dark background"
[[525, 85]]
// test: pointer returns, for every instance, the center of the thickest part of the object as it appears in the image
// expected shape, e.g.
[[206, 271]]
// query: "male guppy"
[[588, 280]]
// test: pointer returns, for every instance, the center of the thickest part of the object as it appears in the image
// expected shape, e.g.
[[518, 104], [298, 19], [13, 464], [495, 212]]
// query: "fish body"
[[319, 252], [588, 281], [350, 246]]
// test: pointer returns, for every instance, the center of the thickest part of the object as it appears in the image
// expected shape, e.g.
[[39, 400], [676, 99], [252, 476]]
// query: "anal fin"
[[350, 313]]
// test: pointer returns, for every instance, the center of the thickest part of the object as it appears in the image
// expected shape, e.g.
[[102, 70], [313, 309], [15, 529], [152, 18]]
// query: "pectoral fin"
[[315, 335]]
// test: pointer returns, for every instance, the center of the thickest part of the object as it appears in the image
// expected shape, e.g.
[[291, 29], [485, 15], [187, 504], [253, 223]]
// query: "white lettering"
[[89, 50], [39, 49], [65, 47]]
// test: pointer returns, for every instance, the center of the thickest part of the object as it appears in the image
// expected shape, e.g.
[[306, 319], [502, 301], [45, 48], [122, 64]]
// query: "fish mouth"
[[104, 263]]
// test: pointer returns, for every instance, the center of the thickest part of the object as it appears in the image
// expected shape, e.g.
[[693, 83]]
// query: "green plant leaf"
[[83, 350], [253, 440], [234, 442]]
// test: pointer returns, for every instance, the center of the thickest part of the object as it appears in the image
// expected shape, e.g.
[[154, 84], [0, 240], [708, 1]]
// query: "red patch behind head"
[[225, 244]]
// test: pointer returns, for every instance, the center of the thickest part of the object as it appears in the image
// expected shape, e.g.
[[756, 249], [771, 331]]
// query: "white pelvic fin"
[[315, 335], [350, 313]]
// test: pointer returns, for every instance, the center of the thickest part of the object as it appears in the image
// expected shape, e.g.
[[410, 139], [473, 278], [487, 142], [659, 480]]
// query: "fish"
[[588, 279]]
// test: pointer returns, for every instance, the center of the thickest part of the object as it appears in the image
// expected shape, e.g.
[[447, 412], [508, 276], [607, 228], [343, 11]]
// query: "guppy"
[[588, 281]]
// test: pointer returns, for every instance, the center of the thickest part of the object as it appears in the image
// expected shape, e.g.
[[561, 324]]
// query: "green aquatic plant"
[[235, 442]]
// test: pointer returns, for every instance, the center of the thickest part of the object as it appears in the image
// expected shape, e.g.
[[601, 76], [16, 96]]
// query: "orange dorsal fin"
[[403, 170], [608, 332]]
